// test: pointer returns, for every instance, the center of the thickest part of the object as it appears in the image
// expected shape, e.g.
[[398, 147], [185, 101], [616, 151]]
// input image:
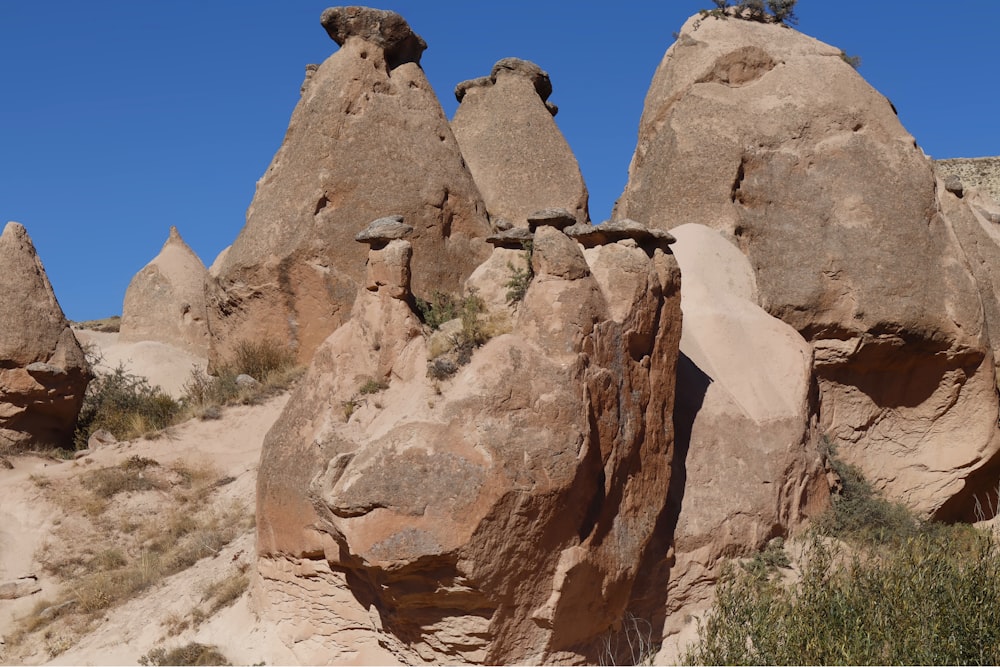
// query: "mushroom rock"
[[512, 513], [517, 155], [165, 301], [368, 138], [768, 136], [43, 371]]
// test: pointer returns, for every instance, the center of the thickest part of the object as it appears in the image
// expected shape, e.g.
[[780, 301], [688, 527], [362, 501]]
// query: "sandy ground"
[[230, 447]]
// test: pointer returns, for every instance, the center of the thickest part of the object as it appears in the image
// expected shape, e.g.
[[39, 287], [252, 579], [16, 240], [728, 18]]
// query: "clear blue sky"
[[119, 118]]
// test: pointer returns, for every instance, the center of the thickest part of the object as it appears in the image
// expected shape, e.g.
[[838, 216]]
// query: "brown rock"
[[769, 137], [513, 513], [516, 153], [367, 139], [43, 372], [387, 30], [165, 301]]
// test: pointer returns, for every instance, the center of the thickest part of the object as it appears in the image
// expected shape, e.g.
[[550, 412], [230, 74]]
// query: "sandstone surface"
[[165, 301], [510, 140], [514, 512], [747, 465], [43, 372], [367, 139], [768, 136]]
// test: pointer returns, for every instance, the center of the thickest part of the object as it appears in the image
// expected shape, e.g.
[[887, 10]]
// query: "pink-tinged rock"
[[43, 372]]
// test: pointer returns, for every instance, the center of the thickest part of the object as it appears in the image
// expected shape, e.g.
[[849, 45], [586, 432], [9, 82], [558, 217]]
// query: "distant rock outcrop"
[[367, 139], [43, 372], [981, 173], [517, 155], [513, 513], [768, 136], [165, 301]]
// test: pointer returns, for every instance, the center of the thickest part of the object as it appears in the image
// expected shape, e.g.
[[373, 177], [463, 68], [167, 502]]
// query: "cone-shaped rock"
[[770, 137], [516, 153], [43, 372], [165, 301], [368, 139]]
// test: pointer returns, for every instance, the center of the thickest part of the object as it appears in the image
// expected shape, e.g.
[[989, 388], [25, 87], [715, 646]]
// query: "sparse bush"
[[853, 61], [189, 654], [124, 404], [765, 562], [931, 599], [771, 11], [441, 308], [127, 476], [373, 386], [474, 331], [859, 513], [517, 285], [272, 365]]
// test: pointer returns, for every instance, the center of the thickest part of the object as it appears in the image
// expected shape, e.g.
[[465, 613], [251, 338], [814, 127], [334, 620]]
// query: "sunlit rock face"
[[43, 372], [768, 136], [165, 301], [505, 514], [367, 139]]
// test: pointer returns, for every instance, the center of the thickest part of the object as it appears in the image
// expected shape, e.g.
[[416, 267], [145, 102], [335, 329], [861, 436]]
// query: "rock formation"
[[43, 372], [367, 139], [982, 173], [511, 513], [517, 155], [747, 464], [771, 138], [165, 301]]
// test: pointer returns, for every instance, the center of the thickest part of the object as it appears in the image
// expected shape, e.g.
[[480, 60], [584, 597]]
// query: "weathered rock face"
[[367, 139], [511, 513], [747, 465], [768, 136], [165, 301], [43, 372], [516, 153]]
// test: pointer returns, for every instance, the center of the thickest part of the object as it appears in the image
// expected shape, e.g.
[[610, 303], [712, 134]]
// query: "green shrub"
[[931, 599], [373, 386], [859, 513], [771, 11], [271, 364], [517, 286], [124, 404], [439, 309]]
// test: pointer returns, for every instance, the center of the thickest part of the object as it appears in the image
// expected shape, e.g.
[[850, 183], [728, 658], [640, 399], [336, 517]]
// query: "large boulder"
[[509, 138], [43, 372], [748, 466], [165, 301], [367, 139], [512, 513], [768, 136]]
